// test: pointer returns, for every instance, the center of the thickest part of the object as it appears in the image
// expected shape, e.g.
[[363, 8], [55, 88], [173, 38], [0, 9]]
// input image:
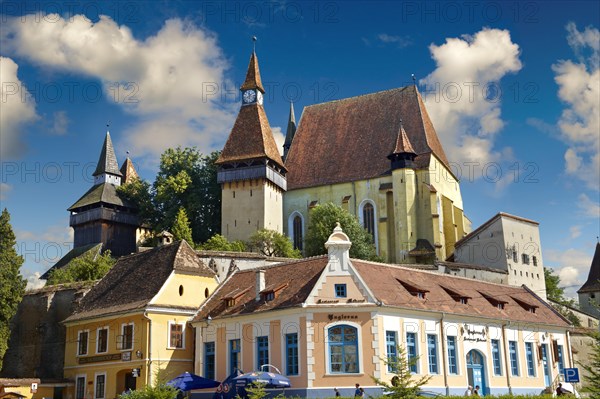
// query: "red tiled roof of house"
[[385, 282], [350, 139]]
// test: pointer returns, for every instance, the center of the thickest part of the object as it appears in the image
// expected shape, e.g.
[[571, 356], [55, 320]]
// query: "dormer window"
[[271, 292], [232, 298], [495, 301], [458, 296], [414, 289], [526, 305]]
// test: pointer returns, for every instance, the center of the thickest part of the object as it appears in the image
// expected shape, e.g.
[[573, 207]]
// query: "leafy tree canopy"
[[323, 219], [87, 267], [12, 284], [220, 243], [592, 366], [271, 243], [185, 179]]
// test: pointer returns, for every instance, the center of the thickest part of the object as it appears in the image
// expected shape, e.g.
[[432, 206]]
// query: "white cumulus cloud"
[[589, 207], [462, 94], [4, 189], [18, 109], [171, 80], [33, 280], [279, 138], [579, 88], [572, 266], [60, 123]]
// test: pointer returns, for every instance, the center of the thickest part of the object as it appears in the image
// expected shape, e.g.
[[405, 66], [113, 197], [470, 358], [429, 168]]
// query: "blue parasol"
[[188, 381]]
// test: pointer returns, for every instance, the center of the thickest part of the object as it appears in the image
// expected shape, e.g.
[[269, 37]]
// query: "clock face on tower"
[[249, 96]]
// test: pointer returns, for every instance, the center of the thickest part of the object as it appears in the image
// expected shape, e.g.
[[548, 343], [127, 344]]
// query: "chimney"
[[260, 283]]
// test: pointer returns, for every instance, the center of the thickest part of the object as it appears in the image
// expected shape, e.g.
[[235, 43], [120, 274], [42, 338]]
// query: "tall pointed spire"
[[291, 131], [253, 75], [107, 163]]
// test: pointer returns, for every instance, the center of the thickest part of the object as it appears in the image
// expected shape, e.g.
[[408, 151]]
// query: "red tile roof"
[[250, 138], [383, 282], [350, 139], [300, 277], [386, 283]]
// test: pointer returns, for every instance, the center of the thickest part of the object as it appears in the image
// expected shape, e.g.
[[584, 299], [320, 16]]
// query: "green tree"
[[12, 284], [553, 290], [87, 267], [140, 193], [160, 390], [557, 294], [271, 243], [403, 384], [592, 366], [220, 243], [181, 227], [188, 179], [323, 219]]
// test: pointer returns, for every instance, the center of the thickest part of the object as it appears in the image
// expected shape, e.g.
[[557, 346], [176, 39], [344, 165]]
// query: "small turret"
[[403, 155]]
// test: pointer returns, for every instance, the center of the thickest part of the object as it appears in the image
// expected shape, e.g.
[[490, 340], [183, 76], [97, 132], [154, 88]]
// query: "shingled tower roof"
[[128, 171], [593, 281], [253, 75], [107, 163], [290, 132], [350, 139], [251, 137], [402, 142]]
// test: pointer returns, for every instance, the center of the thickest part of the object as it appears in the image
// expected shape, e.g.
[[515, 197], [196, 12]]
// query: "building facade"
[[132, 327], [509, 243], [331, 321], [379, 157]]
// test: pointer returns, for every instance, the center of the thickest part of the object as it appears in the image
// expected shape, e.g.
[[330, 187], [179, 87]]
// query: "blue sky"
[[512, 87]]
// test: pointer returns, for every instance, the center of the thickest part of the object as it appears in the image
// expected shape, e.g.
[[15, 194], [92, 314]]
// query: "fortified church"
[[469, 319]]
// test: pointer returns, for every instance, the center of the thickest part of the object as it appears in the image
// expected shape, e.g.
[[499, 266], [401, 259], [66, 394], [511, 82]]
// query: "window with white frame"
[[391, 344], [126, 336], [343, 349], [82, 342], [80, 384], [102, 340], [100, 386], [432, 353], [176, 335], [412, 352]]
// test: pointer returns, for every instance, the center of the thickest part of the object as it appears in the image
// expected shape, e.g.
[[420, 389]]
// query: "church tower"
[[101, 215], [403, 199], [589, 293], [251, 171]]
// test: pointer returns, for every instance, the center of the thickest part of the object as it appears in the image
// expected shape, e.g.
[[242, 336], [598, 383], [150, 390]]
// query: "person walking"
[[337, 393], [359, 392], [476, 391], [469, 391]]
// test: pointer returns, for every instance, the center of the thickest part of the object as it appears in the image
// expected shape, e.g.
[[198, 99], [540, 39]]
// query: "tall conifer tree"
[[12, 284]]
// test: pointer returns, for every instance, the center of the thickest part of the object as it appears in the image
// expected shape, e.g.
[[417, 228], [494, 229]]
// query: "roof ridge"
[[302, 260], [398, 89]]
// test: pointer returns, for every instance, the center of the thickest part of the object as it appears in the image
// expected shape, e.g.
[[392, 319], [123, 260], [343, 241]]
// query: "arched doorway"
[[476, 371], [125, 381]]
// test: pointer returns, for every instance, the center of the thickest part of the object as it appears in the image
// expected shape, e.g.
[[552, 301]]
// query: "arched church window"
[[369, 218], [297, 225]]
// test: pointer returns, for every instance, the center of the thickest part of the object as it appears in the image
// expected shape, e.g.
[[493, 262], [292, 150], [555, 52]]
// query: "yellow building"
[[331, 321], [378, 156], [132, 327]]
